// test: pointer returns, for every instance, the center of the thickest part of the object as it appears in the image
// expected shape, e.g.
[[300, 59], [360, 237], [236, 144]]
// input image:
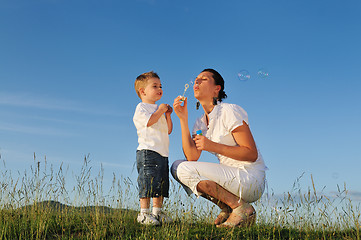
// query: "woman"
[[239, 178]]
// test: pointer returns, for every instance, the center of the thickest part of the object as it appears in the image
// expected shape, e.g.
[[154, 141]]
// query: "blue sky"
[[67, 71]]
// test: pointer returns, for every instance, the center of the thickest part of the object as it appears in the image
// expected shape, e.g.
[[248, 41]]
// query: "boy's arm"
[[157, 114], [169, 120]]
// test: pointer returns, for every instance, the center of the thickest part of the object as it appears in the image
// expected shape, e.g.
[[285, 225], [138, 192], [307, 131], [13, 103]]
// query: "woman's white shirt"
[[223, 119]]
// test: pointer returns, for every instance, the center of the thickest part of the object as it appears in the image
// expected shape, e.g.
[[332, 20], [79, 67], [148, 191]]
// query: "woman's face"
[[204, 87]]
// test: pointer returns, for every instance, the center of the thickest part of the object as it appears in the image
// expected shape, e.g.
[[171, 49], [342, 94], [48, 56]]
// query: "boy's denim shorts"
[[153, 174]]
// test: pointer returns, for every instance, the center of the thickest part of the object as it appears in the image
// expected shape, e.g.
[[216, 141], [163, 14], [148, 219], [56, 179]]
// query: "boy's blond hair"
[[142, 79]]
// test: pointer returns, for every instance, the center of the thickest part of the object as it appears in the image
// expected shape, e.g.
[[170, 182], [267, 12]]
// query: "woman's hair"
[[218, 79]]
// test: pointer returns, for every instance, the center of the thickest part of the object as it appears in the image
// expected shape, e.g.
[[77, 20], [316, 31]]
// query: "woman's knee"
[[174, 168]]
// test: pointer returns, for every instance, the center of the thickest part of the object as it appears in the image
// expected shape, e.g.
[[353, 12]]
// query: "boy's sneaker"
[[147, 219], [163, 218]]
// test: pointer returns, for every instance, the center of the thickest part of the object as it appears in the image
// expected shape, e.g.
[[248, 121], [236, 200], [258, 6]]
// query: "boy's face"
[[152, 92]]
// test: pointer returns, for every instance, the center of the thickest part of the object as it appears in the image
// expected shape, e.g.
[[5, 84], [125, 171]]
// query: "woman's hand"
[[202, 143], [245, 150], [181, 111]]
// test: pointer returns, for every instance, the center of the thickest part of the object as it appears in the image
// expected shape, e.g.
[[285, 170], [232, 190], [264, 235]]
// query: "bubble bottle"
[[199, 132]]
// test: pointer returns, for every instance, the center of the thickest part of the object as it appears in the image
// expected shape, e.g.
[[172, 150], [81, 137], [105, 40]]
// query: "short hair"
[[218, 79], [142, 79]]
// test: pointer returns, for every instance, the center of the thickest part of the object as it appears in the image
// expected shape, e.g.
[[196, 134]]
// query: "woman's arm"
[[189, 147], [245, 150]]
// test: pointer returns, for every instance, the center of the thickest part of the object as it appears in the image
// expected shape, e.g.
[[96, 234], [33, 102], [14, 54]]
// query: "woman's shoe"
[[222, 217], [245, 219]]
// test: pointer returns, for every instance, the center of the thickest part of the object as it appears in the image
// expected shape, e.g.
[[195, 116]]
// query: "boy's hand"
[[163, 107], [170, 110]]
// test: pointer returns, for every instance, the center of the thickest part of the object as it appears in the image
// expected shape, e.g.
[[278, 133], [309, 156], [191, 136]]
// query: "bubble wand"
[[186, 86]]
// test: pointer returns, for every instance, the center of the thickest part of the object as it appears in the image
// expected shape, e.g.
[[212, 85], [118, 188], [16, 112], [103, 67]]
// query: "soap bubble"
[[243, 75], [263, 73]]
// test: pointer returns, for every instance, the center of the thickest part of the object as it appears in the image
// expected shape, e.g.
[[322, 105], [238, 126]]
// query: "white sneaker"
[[163, 218], [147, 219]]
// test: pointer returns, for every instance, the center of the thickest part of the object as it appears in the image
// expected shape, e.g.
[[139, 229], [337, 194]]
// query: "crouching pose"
[[223, 129]]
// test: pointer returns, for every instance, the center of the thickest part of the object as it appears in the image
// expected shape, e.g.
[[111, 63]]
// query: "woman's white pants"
[[249, 185]]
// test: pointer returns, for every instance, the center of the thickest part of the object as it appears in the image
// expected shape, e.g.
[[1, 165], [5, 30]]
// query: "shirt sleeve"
[[141, 116], [234, 117]]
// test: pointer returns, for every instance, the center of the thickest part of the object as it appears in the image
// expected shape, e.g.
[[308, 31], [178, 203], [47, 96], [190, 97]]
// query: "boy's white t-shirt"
[[155, 137], [223, 119]]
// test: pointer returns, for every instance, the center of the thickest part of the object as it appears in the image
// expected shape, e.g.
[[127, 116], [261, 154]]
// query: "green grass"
[[44, 221], [43, 205]]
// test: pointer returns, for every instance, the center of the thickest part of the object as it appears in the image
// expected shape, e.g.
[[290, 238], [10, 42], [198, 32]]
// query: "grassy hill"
[[54, 220], [25, 215]]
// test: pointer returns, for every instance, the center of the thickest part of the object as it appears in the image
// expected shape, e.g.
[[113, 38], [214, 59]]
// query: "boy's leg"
[[157, 210], [157, 205], [144, 203], [158, 202], [145, 217]]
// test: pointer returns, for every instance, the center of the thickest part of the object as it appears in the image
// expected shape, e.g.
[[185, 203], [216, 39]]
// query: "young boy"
[[153, 124]]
